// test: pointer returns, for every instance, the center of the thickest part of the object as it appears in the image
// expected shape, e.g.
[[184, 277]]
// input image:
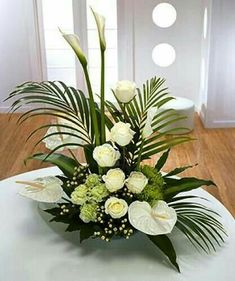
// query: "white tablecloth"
[[31, 249]]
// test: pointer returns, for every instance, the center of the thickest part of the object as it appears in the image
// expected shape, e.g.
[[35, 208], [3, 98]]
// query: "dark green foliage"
[[162, 160], [165, 245], [153, 94], [175, 186], [64, 163], [199, 224]]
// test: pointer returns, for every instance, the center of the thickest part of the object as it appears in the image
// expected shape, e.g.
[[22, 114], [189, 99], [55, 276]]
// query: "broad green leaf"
[[175, 186], [86, 231], [165, 245], [177, 171], [64, 163], [162, 160]]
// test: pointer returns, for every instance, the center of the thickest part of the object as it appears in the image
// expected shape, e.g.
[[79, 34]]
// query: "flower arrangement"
[[115, 194]]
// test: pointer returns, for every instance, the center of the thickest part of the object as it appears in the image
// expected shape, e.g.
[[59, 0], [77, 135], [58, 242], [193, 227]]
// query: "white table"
[[31, 249]]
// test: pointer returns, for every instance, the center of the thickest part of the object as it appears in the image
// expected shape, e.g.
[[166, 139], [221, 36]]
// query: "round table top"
[[33, 249]]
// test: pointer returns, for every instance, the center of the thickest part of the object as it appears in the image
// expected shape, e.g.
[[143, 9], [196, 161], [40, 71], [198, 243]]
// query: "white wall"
[[183, 76], [19, 53], [218, 95]]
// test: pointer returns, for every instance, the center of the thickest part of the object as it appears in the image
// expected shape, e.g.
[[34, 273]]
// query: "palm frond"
[[199, 224], [57, 100], [153, 94]]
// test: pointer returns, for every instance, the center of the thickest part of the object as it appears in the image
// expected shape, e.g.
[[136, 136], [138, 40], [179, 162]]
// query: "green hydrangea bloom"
[[88, 212], [79, 195], [99, 192], [153, 191], [92, 180]]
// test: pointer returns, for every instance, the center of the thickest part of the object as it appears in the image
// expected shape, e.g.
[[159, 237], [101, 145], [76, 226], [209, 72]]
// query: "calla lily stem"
[[102, 95], [92, 107]]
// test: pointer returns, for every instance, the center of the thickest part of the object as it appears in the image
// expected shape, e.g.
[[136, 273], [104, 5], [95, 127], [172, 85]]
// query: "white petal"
[[152, 221], [147, 131], [100, 22], [74, 42], [50, 190]]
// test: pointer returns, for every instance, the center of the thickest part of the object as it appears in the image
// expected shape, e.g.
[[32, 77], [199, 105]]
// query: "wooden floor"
[[214, 151]]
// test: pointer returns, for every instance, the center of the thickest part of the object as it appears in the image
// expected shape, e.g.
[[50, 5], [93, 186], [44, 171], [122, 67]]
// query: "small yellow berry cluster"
[[112, 227], [127, 193], [79, 175], [64, 210]]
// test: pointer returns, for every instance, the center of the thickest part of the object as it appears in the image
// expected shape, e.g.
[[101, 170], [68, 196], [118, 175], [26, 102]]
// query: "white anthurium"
[[100, 22], [153, 221], [148, 130], [125, 91], [51, 142], [121, 133], [74, 42], [46, 189]]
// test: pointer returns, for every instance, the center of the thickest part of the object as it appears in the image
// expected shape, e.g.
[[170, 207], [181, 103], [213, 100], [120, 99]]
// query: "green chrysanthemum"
[[92, 180], [79, 195], [99, 192], [153, 175], [88, 212], [153, 191]]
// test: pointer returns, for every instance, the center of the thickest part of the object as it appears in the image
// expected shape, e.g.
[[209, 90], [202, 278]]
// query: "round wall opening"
[[164, 15], [163, 54]]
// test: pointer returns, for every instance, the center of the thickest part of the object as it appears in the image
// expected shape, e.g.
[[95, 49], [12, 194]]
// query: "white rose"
[[105, 155], [114, 179], [115, 207], [121, 133], [153, 221], [125, 91], [136, 182]]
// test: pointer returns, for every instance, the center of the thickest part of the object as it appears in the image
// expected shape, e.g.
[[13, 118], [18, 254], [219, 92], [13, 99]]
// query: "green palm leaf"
[[58, 100], [153, 94], [198, 224]]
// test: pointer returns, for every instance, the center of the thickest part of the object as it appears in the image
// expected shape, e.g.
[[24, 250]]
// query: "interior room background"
[[201, 43]]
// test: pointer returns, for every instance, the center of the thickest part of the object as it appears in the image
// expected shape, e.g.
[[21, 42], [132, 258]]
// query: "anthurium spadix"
[[148, 130], [74, 41], [157, 220], [47, 189], [100, 22]]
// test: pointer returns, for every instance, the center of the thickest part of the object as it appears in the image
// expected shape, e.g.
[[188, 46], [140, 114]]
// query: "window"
[[60, 61]]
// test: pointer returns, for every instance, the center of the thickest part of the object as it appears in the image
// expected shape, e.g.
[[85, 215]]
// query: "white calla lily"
[[153, 221], [147, 131], [70, 135], [74, 42], [100, 22], [46, 189]]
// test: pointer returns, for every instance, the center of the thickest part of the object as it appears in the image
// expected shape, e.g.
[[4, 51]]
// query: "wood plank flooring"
[[214, 151]]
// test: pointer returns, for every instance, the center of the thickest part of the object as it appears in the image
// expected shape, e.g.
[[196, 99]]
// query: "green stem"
[[92, 107], [102, 96], [123, 108], [74, 157], [140, 152], [123, 155]]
